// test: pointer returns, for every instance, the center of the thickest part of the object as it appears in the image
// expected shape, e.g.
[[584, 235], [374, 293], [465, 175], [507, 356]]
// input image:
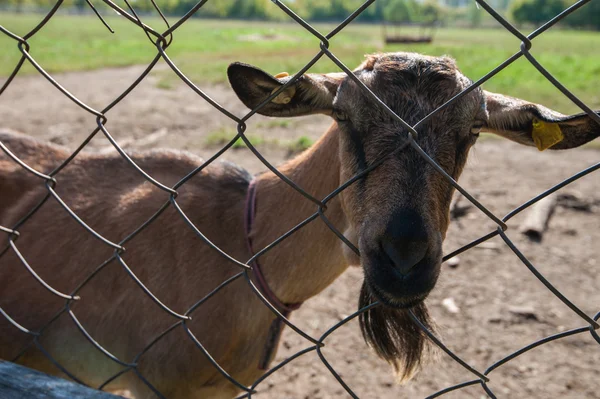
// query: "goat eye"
[[476, 128], [339, 116]]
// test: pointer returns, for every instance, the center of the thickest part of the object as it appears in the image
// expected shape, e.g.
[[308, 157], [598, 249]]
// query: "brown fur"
[[114, 201]]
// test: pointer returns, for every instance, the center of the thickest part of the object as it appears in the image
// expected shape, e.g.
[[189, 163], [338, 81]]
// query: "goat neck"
[[310, 259]]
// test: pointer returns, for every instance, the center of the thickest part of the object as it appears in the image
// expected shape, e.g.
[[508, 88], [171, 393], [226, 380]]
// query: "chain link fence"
[[162, 40]]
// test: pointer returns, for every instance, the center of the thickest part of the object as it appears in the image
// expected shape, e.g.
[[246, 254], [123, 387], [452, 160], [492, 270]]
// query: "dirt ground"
[[500, 305]]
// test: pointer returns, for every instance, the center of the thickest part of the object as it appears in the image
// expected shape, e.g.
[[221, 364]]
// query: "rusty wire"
[[162, 41]]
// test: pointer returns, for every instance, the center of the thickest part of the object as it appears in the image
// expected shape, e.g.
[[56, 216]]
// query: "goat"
[[397, 215]]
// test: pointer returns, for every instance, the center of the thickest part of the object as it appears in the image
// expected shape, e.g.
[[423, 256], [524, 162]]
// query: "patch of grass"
[[220, 137], [224, 136], [203, 49], [166, 84], [255, 140], [299, 145], [275, 123]]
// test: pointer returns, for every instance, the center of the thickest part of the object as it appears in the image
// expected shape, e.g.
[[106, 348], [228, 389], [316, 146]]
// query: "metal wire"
[[162, 41]]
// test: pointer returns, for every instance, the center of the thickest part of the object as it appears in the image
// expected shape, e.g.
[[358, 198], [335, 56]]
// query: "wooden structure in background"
[[392, 32]]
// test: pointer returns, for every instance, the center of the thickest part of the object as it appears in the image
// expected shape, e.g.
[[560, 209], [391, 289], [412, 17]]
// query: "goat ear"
[[535, 125], [310, 94]]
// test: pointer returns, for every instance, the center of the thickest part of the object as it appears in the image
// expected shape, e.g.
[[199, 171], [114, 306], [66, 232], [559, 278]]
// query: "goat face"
[[400, 210]]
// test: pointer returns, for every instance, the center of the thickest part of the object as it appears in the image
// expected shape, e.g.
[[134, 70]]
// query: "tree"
[[412, 11], [475, 15], [396, 11], [430, 12], [587, 16], [536, 11], [401, 11]]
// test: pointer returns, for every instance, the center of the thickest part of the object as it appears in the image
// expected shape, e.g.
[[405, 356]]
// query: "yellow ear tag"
[[545, 135], [281, 75]]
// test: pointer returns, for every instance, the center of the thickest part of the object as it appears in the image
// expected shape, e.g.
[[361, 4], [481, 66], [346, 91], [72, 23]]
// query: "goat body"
[[167, 256]]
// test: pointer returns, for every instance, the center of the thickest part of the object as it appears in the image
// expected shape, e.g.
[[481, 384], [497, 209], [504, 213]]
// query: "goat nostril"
[[405, 254]]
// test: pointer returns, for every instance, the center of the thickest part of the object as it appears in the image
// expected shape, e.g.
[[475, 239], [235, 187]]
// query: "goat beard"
[[394, 336]]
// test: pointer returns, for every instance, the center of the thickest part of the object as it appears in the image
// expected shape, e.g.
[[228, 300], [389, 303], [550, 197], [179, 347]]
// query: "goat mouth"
[[396, 290], [394, 301]]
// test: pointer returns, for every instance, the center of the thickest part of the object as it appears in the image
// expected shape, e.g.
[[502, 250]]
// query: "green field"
[[203, 49]]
